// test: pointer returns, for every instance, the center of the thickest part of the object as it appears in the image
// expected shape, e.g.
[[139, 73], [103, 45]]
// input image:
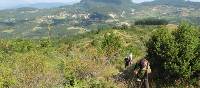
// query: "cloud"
[[139, 1]]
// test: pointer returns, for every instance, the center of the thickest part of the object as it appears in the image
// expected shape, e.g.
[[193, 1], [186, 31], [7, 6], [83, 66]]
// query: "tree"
[[151, 21], [175, 53]]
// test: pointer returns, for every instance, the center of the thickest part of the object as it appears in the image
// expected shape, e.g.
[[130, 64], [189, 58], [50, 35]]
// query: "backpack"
[[127, 60]]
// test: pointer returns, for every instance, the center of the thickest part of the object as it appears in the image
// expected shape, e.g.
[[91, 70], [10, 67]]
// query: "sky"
[[10, 3], [13, 3]]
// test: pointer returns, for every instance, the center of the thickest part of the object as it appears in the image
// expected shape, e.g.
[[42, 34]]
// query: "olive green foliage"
[[75, 62], [175, 53], [111, 44], [81, 61], [87, 74], [46, 66]]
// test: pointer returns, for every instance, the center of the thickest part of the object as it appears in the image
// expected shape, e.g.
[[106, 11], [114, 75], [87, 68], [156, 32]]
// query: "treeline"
[[151, 21]]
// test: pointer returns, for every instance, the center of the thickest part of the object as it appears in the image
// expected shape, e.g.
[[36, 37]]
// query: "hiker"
[[128, 60], [141, 70]]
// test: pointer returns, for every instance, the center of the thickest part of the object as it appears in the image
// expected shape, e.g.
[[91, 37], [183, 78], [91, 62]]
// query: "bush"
[[7, 79], [22, 45], [33, 69], [111, 44], [87, 74], [175, 54]]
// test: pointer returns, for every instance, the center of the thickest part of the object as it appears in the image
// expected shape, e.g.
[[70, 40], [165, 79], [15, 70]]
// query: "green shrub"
[[111, 44], [87, 74], [7, 78], [22, 45], [175, 54]]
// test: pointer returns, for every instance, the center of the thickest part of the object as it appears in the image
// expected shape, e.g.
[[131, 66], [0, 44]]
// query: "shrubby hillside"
[[95, 59], [88, 15], [84, 45], [92, 60]]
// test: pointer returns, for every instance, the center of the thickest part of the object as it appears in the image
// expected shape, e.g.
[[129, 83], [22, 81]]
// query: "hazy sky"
[[10, 3]]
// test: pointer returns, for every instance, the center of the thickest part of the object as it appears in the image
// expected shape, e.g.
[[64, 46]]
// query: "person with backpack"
[[128, 60], [141, 70]]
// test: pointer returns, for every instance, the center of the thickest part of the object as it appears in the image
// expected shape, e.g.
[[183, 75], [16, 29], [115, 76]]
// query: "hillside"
[[93, 60], [84, 45], [60, 62], [175, 3], [91, 15]]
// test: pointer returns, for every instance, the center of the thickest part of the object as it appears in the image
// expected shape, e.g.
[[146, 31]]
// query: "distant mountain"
[[105, 6], [175, 3], [87, 15], [41, 5], [117, 2]]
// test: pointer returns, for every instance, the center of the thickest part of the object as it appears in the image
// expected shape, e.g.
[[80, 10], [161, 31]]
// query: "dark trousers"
[[144, 83], [127, 64]]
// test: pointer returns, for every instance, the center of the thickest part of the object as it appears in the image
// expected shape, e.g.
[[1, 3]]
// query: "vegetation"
[[32, 23], [77, 61], [111, 44], [84, 45], [174, 54], [95, 59], [151, 21]]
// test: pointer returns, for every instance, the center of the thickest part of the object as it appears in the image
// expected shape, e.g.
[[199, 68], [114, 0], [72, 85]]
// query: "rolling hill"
[[67, 20]]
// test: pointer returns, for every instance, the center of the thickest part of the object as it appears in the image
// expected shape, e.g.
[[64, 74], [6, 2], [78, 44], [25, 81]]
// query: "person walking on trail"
[[141, 70], [128, 60]]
